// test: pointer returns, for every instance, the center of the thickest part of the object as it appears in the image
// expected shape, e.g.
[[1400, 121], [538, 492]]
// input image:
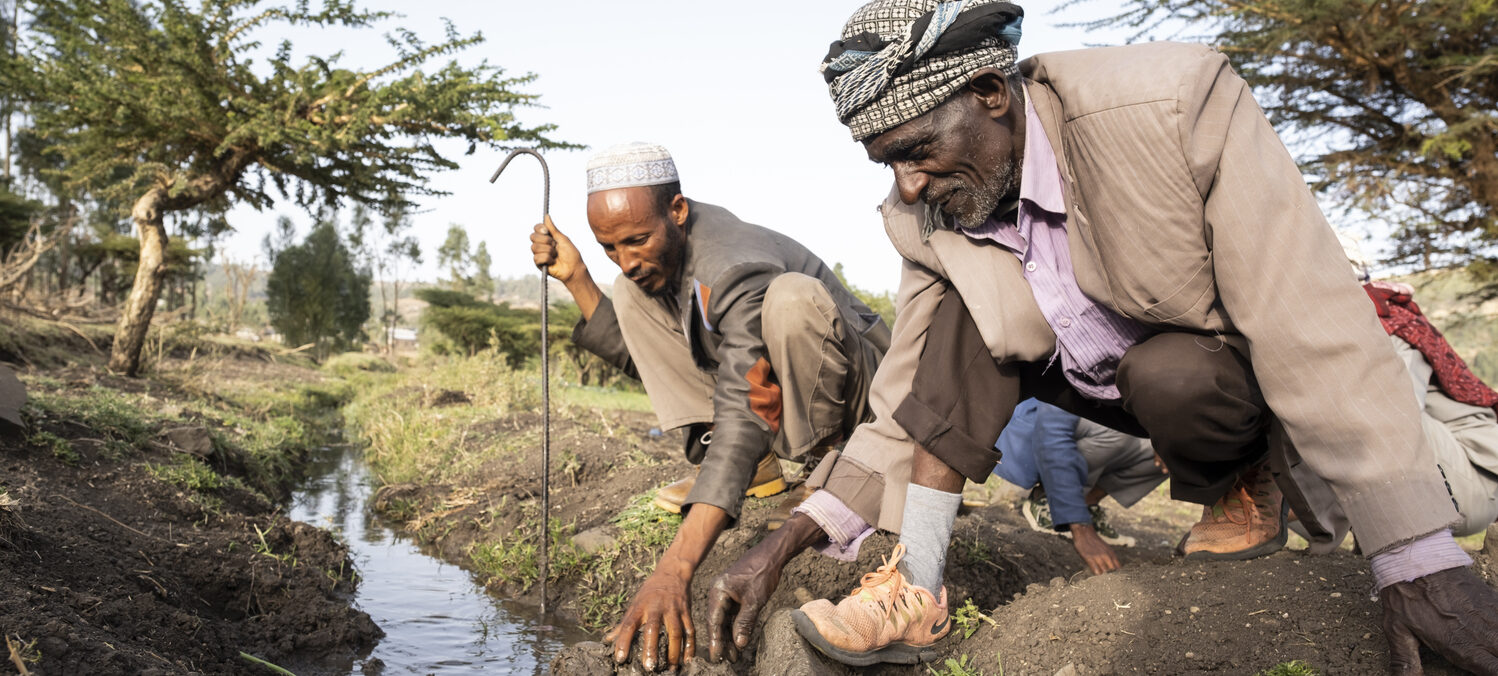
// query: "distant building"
[[403, 339]]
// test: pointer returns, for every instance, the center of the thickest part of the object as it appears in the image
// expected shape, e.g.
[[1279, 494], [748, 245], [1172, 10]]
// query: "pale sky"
[[732, 90]]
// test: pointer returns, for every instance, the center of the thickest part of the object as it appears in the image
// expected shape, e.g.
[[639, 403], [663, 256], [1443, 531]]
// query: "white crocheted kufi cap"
[[630, 165]]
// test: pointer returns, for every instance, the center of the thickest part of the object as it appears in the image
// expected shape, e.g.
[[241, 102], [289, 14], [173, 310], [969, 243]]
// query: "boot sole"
[[767, 489], [1263, 549], [668, 506], [896, 653], [763, 490]]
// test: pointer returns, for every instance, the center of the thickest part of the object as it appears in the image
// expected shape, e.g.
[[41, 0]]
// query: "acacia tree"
[[1390, 103], [167, 91]]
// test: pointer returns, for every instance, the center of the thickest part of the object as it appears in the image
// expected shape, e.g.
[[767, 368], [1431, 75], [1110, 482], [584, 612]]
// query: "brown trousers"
[[1193, 396]]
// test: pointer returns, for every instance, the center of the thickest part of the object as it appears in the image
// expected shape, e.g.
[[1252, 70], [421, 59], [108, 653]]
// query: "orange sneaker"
[[1247, 523], [885, 619]]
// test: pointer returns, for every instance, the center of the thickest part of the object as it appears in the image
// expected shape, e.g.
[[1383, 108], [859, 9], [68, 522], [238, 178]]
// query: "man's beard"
[[675, 254], [982, 203]]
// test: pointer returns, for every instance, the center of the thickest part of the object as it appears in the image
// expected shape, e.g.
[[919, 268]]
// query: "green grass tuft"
[[61, 448], [188, 474], [1291, 668], [352, 363]]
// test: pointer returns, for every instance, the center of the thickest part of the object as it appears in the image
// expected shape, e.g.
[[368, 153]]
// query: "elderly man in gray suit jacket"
[[1119, 232]]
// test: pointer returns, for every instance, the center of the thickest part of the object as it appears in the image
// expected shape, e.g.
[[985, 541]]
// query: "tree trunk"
[[130, 336]]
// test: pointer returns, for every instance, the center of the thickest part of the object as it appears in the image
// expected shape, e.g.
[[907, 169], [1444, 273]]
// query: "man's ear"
[[991, 87], [680, 210]]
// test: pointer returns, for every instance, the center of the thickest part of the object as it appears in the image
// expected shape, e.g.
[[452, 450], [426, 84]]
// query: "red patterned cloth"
[[1402, 317]]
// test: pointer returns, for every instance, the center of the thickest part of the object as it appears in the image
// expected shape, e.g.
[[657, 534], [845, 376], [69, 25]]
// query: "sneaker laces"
[[883, 574], [1245, 511]]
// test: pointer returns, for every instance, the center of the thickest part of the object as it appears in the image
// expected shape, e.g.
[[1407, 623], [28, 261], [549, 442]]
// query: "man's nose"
[[629, 262], [910, 182]]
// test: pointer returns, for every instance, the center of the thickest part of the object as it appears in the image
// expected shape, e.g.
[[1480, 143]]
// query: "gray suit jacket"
[[1186, 213]]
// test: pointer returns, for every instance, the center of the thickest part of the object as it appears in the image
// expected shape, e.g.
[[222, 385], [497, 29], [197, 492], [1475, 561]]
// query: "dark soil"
[[110, 570], [1158, 615]]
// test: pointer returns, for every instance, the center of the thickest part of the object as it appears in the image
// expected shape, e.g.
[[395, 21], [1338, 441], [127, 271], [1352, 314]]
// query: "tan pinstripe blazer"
[[1185, 212]]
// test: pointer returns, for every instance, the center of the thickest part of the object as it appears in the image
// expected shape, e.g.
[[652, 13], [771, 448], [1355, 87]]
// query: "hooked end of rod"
[[511, 156]]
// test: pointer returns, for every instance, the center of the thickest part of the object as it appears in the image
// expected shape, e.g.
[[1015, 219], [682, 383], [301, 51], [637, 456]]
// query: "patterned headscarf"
[[899, 59]]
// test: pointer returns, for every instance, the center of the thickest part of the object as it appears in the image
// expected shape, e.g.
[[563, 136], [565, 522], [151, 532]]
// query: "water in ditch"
[[437, 618]]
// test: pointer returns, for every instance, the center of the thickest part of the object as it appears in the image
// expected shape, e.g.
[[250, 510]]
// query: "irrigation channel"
[[437, 618]]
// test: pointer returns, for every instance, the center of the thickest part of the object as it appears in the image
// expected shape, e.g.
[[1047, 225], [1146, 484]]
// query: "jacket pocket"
[[1187, 305]]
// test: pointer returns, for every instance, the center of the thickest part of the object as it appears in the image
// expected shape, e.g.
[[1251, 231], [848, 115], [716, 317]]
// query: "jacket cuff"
[[599, 335], [729, 466]]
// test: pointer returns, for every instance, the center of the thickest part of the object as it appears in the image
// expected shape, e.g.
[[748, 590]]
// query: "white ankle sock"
[[926, 531]]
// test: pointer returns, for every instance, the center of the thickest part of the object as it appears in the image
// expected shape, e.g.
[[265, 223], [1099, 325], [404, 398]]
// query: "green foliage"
[[1391, 104], [474, 325], [406, 439], [453, 255], [187, 473], [482, 282], [645, 525], [166, 92], [512, 559], [350, 363], [315, 294], [16, 213], [576, 364], [115, 415], [957, 666], [1291, 668], [882, 303], [61, 448], [969, 619]]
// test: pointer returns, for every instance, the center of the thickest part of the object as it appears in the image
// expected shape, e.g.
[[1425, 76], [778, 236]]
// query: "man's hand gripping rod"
[[545, 373]]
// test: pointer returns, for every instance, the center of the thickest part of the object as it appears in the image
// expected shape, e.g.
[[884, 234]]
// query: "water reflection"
[[436, 619]]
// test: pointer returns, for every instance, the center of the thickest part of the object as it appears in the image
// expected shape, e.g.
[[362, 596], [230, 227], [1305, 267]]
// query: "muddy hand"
[[661, 601], [1099, 557], [1452, 612], [551, 248], [741, 591]]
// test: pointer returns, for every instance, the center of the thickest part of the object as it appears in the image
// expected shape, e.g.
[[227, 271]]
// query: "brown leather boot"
[[782, 511], [767, 481], [1246, 523]]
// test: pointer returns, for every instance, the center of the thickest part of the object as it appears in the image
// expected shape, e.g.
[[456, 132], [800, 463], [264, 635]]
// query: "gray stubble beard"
[[986, 198]]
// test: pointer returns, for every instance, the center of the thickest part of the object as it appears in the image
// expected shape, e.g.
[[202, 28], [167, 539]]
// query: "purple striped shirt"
[[1090, 338]]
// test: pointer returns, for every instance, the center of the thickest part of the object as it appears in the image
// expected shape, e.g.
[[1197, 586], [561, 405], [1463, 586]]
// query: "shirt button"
[[1065, 322], [1030, 267]]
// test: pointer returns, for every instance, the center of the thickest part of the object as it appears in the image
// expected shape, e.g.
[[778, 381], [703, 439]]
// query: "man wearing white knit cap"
[[742, 337]]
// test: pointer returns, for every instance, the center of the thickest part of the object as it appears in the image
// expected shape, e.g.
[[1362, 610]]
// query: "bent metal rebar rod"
[[545, 374]]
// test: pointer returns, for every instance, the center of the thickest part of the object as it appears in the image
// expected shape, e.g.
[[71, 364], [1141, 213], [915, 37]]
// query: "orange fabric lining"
[[764, 394]]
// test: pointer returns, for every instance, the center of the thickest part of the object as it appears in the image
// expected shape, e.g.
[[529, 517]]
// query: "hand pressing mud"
[[1452, 612], [1098, 556], [740, 593]]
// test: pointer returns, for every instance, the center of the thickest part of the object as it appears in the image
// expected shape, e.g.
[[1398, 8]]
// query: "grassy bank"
[[151, 502], [229, 413], [457, 442], [433, 421]]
